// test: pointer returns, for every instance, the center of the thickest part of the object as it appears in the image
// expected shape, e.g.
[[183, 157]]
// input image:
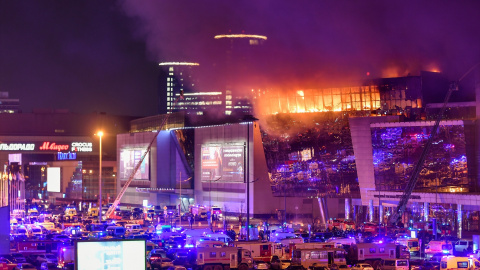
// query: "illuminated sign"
[[82, 147], [223, 162], [66, 156], [17, 146], [54, 147]]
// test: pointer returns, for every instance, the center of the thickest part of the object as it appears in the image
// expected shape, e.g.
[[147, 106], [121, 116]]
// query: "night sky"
[[103, 56]]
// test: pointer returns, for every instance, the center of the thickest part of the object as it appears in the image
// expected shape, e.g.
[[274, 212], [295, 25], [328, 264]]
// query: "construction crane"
[[402, 204], [134, 171]]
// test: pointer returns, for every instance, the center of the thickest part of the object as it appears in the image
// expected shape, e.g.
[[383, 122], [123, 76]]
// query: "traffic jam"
[[60, 237]]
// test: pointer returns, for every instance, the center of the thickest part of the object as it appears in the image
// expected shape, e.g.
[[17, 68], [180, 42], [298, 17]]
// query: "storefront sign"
[[48, 146], [66, 156], [17, 146], [82, 147]]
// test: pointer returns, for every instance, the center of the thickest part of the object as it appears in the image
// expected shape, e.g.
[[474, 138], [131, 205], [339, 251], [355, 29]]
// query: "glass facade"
[[396, 151], [311, 156], [359, 98]]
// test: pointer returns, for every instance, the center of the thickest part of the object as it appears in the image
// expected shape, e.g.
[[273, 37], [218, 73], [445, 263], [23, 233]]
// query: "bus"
[[309, 257]]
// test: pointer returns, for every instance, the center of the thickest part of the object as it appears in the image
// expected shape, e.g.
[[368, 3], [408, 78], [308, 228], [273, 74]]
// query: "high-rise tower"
[[176, 77], [240, 65]]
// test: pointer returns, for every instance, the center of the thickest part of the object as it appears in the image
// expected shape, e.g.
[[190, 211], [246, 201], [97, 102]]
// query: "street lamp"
[[100, 134]]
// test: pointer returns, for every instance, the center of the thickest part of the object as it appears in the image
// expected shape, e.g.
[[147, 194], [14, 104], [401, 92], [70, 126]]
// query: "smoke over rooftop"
[[315, 43]]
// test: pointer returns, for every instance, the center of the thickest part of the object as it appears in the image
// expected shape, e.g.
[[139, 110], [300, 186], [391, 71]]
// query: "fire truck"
[[219, 258], [66, 255], [375, 252], [36, 246], [261, 251]]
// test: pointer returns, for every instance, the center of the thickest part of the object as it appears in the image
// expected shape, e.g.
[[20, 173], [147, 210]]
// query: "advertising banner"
[[129, 158], [223, 163]]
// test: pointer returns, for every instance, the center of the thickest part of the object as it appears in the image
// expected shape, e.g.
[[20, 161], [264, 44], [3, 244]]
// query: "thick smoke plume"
[[318, 43]]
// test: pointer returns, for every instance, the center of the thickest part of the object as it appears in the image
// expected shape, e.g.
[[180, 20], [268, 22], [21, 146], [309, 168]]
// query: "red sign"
[[53, 146]]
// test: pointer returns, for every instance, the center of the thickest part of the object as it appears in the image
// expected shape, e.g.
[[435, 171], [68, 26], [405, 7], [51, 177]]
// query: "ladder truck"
[[114, 205], [402, 204]]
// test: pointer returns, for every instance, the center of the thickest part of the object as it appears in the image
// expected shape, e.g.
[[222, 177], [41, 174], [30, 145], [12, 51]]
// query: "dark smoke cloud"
[[320, 42], [103, 55]]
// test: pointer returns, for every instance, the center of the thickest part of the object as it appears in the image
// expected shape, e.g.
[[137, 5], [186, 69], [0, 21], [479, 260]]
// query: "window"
[[389, 263], [462, 264], [213, 254], [381, 250], [373, 250], [402, 263], [223, 254]]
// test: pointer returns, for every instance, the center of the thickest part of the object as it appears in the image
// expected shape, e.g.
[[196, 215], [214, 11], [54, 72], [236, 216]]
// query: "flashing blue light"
[[179, 246], [445, 251], [381, 242]]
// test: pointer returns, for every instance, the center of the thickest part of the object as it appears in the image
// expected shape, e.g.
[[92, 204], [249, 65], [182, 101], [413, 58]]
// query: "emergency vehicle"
[[93, 212], [260, 251], [460, 263], [198, 211], [70, 213], [346, 241], [435, 246], [219, 258], [66, 255], [216, 211], [411, 243], [371, 252], [309, 257], [36, 246]]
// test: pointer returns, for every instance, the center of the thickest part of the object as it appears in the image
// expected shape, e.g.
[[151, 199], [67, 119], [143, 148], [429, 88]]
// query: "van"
[[394, 264], [464, 245], [48, 225], [133, 228], [461, 263], [278, 236], [116, 231], [347, 241], [435, 247], [34, 231], [412, 244]]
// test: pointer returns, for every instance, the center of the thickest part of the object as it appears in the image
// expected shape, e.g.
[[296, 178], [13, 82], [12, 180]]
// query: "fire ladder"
[[402, 204], [134, 171]]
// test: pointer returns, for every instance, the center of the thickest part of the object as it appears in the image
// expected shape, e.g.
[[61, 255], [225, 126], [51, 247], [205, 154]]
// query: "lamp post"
[[100, 134]]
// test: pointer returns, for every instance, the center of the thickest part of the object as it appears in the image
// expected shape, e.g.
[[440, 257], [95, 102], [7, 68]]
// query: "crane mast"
[[115, 203], [402, 204]]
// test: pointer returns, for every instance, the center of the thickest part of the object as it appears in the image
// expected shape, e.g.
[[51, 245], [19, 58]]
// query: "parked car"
[[261, 265], [48, 258], [157, 259], [362, 266], [26, 266], [393, 264], [284, 264], [17, 258]]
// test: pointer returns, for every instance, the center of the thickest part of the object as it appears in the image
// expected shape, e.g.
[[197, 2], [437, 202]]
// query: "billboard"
[[223, 163], [110, 254], [129, 158], [53, 179]]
